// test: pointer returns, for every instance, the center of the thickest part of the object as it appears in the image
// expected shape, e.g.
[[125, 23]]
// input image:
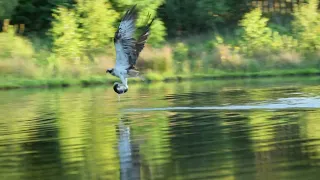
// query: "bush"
[[229, 58], [156, 60], [180, 54], [19, 68]]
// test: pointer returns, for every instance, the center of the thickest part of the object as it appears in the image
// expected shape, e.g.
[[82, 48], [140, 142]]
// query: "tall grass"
[[156, 60]]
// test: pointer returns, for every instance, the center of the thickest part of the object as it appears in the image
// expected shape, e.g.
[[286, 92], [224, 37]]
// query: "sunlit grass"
[[11, 82]]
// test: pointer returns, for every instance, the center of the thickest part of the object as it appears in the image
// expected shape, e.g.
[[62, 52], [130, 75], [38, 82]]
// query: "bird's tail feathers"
[[135, 73]]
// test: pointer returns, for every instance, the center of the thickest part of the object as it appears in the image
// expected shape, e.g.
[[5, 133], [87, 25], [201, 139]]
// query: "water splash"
[[281, 103]]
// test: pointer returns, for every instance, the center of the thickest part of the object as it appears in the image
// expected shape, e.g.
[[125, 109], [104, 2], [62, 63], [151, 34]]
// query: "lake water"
[[231, 129]]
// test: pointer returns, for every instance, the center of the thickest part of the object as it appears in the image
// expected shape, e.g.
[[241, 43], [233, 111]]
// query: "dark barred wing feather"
[[142, 40]]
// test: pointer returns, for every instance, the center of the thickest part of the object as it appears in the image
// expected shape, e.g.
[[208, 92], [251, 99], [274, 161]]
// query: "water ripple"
[[282, 103], [179, 131]]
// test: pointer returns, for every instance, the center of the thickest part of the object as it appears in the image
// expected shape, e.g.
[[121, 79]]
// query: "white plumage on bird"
[[128, 50]]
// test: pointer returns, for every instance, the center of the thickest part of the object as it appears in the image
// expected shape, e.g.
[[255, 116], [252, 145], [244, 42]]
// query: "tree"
[[37, 14], [182, 17], [257, 35], [97, 19], [6, 8], [306, 25], [67, 43]]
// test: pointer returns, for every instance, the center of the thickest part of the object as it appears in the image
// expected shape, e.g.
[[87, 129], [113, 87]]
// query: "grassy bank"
[[13, 83]]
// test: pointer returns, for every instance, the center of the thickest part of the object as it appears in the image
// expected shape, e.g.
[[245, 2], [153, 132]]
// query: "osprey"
[[127, 49]]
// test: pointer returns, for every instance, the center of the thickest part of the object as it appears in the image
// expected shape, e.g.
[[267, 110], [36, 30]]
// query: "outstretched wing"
[[127, 48], [142, 40], [124, 42]]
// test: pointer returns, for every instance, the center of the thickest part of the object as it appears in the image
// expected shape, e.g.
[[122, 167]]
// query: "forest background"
[[67, 42]]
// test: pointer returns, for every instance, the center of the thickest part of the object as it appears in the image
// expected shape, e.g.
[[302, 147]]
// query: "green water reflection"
[[83, 133]]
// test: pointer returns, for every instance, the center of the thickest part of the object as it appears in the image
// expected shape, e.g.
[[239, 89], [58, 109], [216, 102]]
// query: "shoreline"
[[19, 83]]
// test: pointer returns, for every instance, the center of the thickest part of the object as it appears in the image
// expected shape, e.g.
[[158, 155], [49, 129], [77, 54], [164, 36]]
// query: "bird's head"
[[109, 71]]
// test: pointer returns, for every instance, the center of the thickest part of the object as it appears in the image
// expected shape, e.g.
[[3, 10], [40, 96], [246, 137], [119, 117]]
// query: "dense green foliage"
[[7, 8], [182, 17], [82, 30], [74, 38], [36, 14], [256, 33], [90, 26], [307, 25], [96, 20], [67, 37]]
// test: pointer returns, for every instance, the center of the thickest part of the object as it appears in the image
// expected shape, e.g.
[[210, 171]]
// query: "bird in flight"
[[128, 49]]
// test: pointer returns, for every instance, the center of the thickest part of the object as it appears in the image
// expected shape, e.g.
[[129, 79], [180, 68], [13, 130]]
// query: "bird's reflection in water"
[[128, 154]]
